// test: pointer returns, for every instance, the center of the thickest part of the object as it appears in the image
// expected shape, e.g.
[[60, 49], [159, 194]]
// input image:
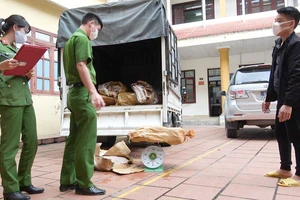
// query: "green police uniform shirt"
[[14, 90], [77, 49]]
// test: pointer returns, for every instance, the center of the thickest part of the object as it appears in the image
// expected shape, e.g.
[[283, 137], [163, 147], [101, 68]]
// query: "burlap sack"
[[126, 99], [157, 134], [111, 88], [108, 100], [144, 92]]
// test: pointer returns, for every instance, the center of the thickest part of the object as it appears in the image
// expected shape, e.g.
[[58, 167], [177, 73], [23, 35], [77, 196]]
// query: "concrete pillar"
[[222, 8], [169, 11], [224, 68]]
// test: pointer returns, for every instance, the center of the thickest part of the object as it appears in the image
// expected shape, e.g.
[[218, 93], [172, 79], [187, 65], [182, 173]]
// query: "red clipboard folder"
[[27, 56]]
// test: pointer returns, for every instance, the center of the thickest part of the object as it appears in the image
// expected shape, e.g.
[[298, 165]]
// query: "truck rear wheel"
[[107, 141]]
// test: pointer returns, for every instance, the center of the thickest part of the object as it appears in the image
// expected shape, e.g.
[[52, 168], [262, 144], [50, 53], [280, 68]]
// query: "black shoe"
[[67, 187], [31, 189], [89, 191], [15, 196]]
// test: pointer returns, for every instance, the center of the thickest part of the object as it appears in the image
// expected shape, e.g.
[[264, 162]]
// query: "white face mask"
[[93, 34], [20, 37], [277, 27]]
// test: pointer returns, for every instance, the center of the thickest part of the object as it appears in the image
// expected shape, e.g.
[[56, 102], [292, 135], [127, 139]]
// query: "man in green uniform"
[[83, 100], [17, 116]]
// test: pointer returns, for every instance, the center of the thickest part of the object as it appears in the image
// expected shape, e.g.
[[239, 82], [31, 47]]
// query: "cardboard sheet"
[[115, 159]]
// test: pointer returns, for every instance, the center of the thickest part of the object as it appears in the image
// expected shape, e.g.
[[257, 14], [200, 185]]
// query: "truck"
[[136, 43]]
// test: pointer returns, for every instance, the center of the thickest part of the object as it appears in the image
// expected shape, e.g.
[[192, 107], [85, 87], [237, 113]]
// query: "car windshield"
[[252, 75]]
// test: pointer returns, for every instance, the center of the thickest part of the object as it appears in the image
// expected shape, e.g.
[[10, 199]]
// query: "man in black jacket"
[[284, 86]]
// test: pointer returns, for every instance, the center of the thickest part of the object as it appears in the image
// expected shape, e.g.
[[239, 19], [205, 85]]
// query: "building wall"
[[78, 3], [231, 8], [217, 9], [48, 114], [39, 13], [201, 107]]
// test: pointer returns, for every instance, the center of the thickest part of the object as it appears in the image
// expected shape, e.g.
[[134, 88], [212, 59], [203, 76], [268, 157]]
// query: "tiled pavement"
[[210, 166]]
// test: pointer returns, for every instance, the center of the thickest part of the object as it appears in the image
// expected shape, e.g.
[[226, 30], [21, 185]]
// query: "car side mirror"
[[222, 93]]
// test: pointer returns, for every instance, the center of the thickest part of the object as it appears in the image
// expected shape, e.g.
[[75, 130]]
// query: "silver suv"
[[246, 92]]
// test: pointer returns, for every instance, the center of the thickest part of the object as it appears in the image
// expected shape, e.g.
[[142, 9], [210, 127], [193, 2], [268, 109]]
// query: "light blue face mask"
[[20, 37]]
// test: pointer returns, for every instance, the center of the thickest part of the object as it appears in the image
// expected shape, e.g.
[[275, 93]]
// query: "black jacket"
[[289, 66]]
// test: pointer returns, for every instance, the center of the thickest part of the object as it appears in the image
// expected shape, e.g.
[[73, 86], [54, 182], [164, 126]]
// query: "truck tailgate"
[[119, 120]]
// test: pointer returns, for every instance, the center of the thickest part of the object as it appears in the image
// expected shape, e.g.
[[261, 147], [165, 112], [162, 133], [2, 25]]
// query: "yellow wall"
[[39, 13], [48, 114]]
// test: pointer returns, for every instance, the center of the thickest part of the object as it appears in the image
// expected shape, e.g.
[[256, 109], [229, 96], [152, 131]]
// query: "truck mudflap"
[[120, 120]]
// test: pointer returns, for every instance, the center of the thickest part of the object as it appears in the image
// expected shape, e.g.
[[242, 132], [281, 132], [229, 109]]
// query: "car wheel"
[[231, 133]]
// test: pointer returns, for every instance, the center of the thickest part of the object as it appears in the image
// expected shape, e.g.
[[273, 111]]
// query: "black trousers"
[[287, 134]]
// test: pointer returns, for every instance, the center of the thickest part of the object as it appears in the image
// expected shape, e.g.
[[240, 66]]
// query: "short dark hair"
[[91, 16], [291, 13], [6, 24]]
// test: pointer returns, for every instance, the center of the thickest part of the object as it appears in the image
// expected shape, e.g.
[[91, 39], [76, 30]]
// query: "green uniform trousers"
[[16, 120], [78, 159]]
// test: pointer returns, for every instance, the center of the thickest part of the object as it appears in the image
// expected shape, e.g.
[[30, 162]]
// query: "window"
[[252, 75], [256, 6], [43, 73], [55, 78], [46, 74], [192, 11], [173, 64], [188, 86]]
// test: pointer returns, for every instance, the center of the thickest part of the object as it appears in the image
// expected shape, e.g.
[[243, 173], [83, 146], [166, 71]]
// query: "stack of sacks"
[[115, 93]]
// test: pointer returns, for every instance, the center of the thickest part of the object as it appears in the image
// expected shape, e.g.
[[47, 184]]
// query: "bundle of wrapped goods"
[[145, 94], [110, 90], [157, 134], [108, 100], [126, 99]]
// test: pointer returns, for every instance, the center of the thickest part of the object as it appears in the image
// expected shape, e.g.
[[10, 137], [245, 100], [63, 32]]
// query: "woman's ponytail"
[[2, 25]]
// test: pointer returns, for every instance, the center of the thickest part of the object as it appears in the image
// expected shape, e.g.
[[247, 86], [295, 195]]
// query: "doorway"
[[214, 88]]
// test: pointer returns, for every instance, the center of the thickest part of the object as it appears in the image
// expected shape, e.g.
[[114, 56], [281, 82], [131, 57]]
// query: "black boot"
[[15, 196], [66, 187], [31, 189], [89, 191]]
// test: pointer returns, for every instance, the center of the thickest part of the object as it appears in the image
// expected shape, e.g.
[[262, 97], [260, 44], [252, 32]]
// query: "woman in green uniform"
[[17, 116]]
